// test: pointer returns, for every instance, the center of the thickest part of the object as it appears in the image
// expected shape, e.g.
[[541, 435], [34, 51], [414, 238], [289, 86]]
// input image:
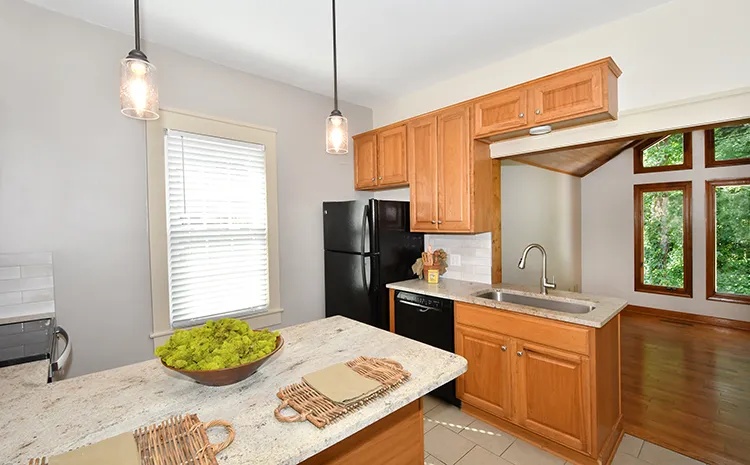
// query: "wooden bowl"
[[227, 376]]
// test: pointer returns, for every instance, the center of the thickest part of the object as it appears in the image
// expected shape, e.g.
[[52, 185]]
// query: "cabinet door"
[[487, 383], [573, 94], [454, 170], [392, 166], [553, 394], [423, 171], [502, 112], [365, 165]]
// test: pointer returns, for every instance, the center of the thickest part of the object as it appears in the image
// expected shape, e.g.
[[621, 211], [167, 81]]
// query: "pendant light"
[[337, 129], [139, 96]]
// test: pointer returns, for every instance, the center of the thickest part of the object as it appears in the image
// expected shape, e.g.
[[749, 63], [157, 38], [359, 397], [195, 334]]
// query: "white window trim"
[[157, 210]]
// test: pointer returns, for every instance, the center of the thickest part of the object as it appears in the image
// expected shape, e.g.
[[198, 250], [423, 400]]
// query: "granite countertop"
[[57, 417], [17, 380], [464, 291]]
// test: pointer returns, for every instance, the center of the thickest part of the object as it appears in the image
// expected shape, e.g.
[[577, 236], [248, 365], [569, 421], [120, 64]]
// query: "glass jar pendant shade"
[[139, 94], [337, 134], [337, 128]]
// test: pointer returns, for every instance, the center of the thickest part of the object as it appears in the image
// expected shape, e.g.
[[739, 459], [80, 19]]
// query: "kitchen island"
[[57, 417]]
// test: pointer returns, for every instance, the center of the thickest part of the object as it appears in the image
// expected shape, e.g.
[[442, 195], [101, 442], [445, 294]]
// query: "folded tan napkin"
[[119, 450], [341, 384]]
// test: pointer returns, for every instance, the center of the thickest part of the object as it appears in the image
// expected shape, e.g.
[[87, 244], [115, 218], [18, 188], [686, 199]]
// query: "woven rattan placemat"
[[321, 411], [178, 440]]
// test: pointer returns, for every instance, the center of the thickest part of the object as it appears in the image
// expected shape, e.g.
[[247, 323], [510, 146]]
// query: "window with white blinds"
[[217, 228]]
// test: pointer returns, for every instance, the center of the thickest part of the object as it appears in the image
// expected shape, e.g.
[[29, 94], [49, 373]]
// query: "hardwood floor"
[[687, 387]]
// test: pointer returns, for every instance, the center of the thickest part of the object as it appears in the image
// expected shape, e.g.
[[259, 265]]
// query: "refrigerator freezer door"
[[347, 227], [347, 286]]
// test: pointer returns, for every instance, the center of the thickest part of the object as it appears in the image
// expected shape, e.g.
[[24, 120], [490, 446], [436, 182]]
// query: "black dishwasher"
[[429, 320]]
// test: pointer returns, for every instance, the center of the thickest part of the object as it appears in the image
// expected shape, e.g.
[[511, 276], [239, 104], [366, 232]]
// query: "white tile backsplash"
[[36, 271], [39, 295], [10, 272], [475, 251], [10, 298], [26, 285]]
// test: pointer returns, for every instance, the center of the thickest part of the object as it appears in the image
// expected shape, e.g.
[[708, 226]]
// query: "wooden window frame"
[[687, 247], [710, 153], [711, 293], [687, 154]]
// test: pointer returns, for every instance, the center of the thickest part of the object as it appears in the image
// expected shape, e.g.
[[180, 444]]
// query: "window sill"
[[664, 291], [261, 320], [730, 298]]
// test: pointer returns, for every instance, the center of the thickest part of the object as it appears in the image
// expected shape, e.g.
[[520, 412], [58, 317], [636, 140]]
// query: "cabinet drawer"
[[556, 334]]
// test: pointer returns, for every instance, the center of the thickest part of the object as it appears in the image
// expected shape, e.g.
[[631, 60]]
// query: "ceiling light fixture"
[[337, 128], [139, 96], [540, 130]]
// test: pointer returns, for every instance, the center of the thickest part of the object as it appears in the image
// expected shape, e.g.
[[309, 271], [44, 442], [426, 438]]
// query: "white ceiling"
[[387, 48]]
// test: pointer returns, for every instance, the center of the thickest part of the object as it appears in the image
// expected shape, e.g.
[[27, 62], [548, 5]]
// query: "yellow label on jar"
[[433, 276]]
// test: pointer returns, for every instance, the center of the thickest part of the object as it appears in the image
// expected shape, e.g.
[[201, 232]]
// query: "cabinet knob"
[[521, 115], [503, 348], [380, 177], [373, 179], [433, 221], [440, 221], [519, 353], [539, 112]]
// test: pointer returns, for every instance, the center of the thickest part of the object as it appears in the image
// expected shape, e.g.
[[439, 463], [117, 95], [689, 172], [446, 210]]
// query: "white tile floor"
[[455, 438]]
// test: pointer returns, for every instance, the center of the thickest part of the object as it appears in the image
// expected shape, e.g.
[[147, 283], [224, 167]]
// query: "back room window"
[[663, 240], [728, 240], [668, 153], [727, 146]]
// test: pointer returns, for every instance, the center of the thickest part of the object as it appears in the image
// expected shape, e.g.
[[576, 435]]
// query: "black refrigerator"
[[368, 244]]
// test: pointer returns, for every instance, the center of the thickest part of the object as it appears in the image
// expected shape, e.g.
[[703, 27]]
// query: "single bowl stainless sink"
[[536, 302]]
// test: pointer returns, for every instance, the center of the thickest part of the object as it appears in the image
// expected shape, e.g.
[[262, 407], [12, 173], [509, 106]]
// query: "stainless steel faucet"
[[543, 283]]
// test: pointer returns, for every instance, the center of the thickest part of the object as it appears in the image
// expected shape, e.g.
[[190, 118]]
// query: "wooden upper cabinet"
[[567, 96], [553, 397], [580, 95], [454, 170], [392, 164], [423, 173], [500, 112], [365, 161], [487, 382]]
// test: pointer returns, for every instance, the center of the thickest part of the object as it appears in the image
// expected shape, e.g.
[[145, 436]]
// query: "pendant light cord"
[[335, 69], [137, 26]]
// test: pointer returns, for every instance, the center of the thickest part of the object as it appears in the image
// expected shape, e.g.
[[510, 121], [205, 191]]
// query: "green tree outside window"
[[667, 152], [732, 143], [733, 239], [663, 258]]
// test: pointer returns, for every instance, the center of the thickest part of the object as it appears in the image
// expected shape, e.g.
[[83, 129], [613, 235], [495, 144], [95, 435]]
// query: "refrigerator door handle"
[[364, 275], [365, 214]]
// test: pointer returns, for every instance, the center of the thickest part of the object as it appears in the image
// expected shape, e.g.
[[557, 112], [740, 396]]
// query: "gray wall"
[[73, 173]]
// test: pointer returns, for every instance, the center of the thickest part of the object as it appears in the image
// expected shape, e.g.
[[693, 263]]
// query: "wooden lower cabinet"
[[553, 394], [553, 384], [487, 383]]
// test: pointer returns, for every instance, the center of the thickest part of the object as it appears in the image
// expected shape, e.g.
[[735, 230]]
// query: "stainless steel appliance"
[[367, 245], [429, 320], [35, 340]]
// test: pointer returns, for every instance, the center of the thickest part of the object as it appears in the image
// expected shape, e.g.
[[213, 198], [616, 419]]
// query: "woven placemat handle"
[[287, 419], [230, 431]]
